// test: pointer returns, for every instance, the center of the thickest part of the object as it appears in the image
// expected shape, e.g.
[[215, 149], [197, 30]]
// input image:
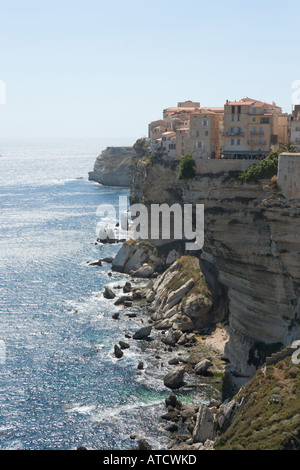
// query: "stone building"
[[295, 126], [204, 135], [252, 129]]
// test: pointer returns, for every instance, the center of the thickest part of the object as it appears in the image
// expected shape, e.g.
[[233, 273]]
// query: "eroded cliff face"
[[252, 249], [113, 167]]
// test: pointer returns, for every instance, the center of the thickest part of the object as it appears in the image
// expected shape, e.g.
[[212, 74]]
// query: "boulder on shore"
[[202, 367], [144, 272], [205, 426], [174, 379], [143, 333]]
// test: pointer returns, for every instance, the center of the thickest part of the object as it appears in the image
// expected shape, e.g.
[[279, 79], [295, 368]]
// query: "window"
[[239, 109], [206, 133], [232, 141], [232, 117], [238, 142], [254, 110], [232, 109], [261, 130], [253, 119], [239, 117]]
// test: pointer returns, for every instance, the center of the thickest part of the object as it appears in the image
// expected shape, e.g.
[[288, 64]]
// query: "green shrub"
[[264, 169], [187, 167], [268, 167]]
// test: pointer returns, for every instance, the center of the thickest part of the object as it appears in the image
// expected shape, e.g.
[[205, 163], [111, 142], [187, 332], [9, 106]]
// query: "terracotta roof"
[[169, 132], [213, 110], [252, 103], [180, 110], [160, 121]]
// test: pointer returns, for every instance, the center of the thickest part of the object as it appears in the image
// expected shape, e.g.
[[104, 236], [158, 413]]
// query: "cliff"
[[268, 417], [113, 167], [251, 249]]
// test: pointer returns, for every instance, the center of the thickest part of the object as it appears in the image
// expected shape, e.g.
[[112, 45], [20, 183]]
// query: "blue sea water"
[[60, 386]]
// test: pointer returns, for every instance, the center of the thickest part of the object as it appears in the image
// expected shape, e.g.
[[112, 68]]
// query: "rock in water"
[[171, 400], [127, 288], [108, 293], [174, 379], [202, 367], [169, 339], [144, 445], [143, 333], [205, 427], [121, 300], [124, 345], [118, 352]]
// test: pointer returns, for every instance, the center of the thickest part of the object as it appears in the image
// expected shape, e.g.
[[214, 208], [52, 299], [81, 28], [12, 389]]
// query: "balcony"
[[235, 134], [257, 133], [257, 142]]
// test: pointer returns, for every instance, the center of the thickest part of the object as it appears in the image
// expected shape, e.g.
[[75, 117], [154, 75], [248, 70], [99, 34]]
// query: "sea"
[[60, 385]]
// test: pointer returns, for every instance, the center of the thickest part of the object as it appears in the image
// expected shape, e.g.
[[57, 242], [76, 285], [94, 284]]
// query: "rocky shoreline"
[[182, 349]]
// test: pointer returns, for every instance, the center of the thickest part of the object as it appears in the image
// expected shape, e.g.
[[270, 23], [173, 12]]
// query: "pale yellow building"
[[177, 120], [283, 129], [204, 138], [252, 129], [182, 137]]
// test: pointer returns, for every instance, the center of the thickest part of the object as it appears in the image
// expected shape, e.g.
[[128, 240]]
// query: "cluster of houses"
[[240, 129]]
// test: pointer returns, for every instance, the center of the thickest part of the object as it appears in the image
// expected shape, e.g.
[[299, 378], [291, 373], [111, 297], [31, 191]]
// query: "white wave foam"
[[106, 414], [81, 409]]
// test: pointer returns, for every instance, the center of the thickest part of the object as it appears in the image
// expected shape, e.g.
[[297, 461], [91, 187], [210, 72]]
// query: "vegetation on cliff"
[[141, 147], [270, 416], [187, 167], [268, 167], [188, 268]]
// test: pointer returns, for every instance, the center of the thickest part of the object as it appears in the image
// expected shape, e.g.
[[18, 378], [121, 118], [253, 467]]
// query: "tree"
[[290, 147], [187, 167]]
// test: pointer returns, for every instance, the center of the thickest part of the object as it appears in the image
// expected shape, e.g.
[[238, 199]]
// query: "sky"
[[105, 69]]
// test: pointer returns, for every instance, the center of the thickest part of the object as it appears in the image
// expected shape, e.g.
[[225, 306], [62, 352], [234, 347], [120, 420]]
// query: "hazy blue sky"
[[107, 68]]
